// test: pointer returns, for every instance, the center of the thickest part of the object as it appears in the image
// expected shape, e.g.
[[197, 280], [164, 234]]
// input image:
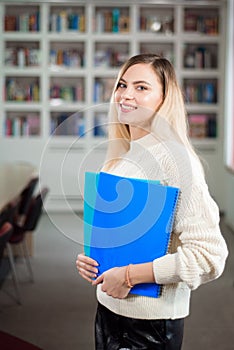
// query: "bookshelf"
[[61, 59]]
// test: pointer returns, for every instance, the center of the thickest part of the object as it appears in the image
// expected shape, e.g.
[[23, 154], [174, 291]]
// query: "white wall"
[[228, 181]]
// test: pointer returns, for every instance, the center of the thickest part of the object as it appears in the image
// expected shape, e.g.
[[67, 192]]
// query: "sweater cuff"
[[166, 270]]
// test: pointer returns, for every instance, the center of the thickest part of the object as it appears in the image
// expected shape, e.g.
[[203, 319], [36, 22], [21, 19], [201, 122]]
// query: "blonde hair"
[[171, 111]]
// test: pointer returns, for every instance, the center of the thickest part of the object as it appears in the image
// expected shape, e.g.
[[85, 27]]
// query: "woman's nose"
[[128, 93]]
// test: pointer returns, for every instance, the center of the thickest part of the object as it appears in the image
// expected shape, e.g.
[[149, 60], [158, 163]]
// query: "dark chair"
[[6, 231], [9, 212], [30, 224], [35, 210], [25, 199]]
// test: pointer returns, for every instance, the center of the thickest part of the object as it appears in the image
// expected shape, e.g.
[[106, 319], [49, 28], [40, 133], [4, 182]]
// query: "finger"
[[83, 262], [89, 276], [87, 267], [98, 280], [87, 259]]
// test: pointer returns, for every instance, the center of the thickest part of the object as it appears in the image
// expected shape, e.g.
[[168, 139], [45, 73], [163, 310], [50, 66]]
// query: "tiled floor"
[[58, 309]]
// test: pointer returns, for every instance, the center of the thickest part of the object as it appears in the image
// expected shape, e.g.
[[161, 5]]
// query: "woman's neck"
[[137, 132]]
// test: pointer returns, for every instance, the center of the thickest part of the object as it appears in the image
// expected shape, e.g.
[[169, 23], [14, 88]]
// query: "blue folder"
[[127, 221]]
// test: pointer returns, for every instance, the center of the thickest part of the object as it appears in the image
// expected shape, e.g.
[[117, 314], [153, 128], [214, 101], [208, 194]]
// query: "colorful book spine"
[[111, 21], [23, 125], [68, 125], [26, 22], [67, 20], [17, 90]]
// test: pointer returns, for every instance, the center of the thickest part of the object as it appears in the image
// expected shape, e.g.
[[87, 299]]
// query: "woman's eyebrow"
[[136, 82], [141, 82]]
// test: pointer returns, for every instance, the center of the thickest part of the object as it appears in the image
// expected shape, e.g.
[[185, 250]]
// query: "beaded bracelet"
[[127, 277]]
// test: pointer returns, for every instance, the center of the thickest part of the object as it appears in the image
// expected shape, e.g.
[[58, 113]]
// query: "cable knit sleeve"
[[202, 251]]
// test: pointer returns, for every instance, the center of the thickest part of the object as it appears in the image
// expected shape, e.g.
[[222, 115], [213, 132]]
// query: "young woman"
[[148, 139]]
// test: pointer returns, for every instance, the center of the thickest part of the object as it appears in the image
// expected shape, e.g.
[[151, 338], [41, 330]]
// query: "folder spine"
[[175, 209]]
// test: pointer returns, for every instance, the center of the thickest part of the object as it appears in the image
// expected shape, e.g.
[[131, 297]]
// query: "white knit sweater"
[[197, 251]]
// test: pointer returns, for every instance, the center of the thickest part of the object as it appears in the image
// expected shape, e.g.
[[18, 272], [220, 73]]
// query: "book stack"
[[111, 21], [199, 22], [67, 20], [201, 91], [22, 57], [100, 124], [24, 125], [72, 58], [202, 125], [26, 22], [102, 89], [18, 90], [68, 125], [67, 93]]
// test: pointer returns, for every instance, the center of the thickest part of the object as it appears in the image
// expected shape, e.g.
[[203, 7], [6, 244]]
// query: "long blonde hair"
[[171, 111]]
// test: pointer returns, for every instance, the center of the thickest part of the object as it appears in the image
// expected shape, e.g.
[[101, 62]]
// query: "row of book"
[[109, 58], [195, 92], [100, 124], [67, 57], [67, 93], [155, 23], [67, 20], [200, 57], [200, 92], [202, 23], [22, 57], [202, 126], [22, 91], [111, 21], [22, 125], [103, 89], [66, 124], [25, 22]]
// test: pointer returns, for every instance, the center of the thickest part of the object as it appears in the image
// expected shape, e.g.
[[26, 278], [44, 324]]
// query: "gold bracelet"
[[127, 277]]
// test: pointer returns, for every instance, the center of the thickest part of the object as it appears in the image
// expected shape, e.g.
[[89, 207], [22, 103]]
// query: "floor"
[[58, 309]]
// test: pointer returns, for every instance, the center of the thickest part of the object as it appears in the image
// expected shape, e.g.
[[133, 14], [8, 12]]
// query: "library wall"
[[59, 65]]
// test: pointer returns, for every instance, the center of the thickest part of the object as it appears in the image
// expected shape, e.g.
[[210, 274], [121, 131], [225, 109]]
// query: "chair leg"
[[27, 259], [14, 275]]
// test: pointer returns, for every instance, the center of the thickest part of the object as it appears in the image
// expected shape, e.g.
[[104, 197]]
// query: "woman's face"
[[138, 95]]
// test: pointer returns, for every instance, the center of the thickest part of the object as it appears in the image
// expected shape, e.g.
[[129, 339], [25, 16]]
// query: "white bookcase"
[[61, 59]]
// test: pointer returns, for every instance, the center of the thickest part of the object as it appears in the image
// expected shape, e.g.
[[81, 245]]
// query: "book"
[[127, 221], [198, 125]]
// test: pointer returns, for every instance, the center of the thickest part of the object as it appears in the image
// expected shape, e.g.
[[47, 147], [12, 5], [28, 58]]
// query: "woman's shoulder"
[[175, 152], [178, 161]]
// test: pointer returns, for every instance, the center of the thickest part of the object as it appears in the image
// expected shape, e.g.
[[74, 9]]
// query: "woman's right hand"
[[87, 267]]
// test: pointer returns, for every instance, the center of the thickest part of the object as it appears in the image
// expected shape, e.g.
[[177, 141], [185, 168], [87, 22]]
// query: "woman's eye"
[[121, 86], [141, 88]]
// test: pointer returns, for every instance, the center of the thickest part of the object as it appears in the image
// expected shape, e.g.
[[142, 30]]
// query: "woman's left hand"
[[113, 282]]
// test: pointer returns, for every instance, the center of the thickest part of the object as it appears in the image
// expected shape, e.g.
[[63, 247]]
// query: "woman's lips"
[[127, 108]]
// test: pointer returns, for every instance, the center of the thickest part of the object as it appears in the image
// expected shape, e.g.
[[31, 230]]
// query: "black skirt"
[[115, 332]]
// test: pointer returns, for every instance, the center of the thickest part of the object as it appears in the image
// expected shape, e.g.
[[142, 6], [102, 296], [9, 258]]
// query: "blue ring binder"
[[127, 221]]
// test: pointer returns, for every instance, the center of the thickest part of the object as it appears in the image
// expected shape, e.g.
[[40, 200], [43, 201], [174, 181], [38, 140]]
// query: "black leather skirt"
[[114, 332]]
